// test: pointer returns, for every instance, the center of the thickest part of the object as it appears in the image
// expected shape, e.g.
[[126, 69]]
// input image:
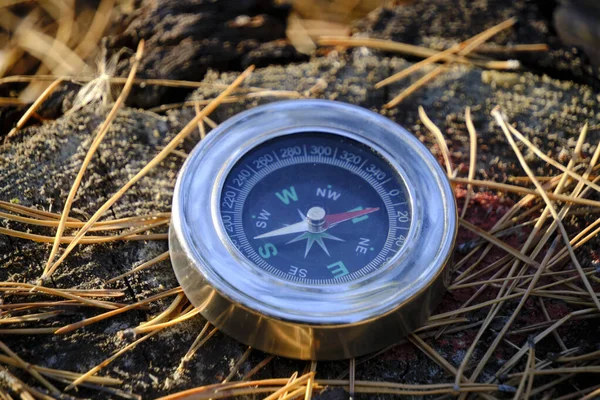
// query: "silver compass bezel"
[[220, 280]]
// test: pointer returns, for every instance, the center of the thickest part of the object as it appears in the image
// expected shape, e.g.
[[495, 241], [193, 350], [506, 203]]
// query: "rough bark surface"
[[185, 38]]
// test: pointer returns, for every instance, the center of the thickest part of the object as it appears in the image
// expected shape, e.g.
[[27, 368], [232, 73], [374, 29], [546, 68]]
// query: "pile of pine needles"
[[544, 267]]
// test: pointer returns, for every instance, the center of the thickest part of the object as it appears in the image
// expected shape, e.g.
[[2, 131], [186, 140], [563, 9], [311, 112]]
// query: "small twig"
[[33, 212], [592, 395], [104, 363], [432, 354], [555, 333], [27, 331], [57, 373], [540, 325], [201, 127], [284, 94], [238, 365], [33, 108], [464, 310], [121, 81], [428, 77], [258, 367], [439, 137], [194, 346], [98, 226], [167, 312], [530, 366], [408, 49], [472, 158], [565, 370], [88, 321], [492, 239], [162, 257], [516, 48], [583, 357], [437, 324], [292, 384], [352, 378], [311, 381], [9, 101], [283, 394], [59, 293], [24, 391], [162, 325], [128, 235], [30, 317], [31, 371], [416, 390]]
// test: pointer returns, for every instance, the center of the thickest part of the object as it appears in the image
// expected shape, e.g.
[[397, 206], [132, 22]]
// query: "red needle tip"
[[337, 218]]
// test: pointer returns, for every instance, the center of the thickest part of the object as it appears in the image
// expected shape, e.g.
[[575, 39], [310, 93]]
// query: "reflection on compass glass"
[[315, 208]]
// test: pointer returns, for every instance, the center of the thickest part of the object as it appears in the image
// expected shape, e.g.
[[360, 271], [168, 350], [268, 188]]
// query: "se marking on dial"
[[295, 191]]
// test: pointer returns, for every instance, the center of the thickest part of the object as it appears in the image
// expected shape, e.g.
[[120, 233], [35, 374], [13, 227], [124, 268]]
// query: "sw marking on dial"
[[315, 208]]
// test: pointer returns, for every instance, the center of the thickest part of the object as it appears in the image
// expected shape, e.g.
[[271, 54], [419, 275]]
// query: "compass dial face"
[[315, 208]]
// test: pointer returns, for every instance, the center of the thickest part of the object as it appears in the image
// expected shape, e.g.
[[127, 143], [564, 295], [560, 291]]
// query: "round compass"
[[313, 229]]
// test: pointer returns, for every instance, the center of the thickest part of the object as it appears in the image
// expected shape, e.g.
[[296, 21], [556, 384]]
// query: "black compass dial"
[[315, 208]]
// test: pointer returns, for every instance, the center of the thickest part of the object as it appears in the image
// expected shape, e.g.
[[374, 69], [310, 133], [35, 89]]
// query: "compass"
[[313, 229]]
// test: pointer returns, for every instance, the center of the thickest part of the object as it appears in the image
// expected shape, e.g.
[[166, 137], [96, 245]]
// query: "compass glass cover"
[[315, 208]]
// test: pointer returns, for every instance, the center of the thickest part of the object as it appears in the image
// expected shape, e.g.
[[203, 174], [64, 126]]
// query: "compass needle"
[[347, 216], [286, 230], [318, 224]]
